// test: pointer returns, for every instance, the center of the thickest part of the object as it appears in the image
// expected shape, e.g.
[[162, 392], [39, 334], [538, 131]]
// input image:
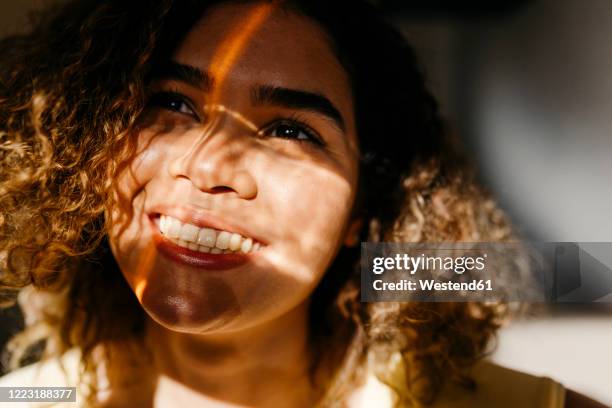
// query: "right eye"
[[173, 101]]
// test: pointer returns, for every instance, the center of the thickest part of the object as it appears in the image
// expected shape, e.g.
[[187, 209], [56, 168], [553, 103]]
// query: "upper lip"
[[204, 219]]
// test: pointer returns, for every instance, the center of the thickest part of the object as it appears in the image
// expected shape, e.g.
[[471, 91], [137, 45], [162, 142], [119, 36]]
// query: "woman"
[[184, 185]]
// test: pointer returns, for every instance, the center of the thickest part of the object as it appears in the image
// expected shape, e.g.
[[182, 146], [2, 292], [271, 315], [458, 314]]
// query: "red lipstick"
[[196, 259]]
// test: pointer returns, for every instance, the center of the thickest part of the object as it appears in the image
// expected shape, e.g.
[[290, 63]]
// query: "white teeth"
[[174, 227], [235, 241], [223, 240], [207, 237], [246, 245], [162, 224], [189, 232], [206, 240]]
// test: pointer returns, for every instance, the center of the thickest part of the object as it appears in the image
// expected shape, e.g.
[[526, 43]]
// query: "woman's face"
[[247, 148]]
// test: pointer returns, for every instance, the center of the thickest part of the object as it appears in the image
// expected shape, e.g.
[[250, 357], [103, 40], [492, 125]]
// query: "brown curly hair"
[[72, 90]]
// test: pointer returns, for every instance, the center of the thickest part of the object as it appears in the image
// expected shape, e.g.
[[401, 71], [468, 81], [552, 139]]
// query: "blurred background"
[[528, 86]]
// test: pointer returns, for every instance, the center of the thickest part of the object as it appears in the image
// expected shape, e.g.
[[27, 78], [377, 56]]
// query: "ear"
[[352, 233]]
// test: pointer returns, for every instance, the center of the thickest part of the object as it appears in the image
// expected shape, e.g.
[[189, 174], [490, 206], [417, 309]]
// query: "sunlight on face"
[[249, 136]]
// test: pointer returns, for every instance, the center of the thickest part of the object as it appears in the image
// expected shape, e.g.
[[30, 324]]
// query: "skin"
[[239, 337]]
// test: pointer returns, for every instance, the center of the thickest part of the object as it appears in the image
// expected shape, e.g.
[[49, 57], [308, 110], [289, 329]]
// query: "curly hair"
[[72, 90]]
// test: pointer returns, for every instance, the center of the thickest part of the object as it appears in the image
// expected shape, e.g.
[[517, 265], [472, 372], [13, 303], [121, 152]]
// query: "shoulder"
[[55, 372], [576, 400], [496, 386], [61, 372], [372, 393], [503, 387]]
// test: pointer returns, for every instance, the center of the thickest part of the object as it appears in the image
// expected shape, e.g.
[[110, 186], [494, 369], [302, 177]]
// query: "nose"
[[216, 158]]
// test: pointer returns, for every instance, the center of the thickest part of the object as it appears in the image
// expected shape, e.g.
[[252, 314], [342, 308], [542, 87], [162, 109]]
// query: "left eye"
[[172, 101], [289, 130]]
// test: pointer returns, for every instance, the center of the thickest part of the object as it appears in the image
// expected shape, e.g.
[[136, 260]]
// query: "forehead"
[[259, 43]]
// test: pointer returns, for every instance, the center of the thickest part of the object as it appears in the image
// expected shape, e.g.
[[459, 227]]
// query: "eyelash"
[[163, 99], [295, 121]]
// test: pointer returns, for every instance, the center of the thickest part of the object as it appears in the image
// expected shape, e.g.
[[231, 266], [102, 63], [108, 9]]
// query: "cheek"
[[312, 204], [127, 233], [143, 166]]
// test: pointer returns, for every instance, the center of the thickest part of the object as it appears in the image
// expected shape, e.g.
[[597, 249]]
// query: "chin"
[[213, 309]]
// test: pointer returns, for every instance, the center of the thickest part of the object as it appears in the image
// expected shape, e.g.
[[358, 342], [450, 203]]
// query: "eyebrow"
[[260, 95], [185, 73], [298, 99]]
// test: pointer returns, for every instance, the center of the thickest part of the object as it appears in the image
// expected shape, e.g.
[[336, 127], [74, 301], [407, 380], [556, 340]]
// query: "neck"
[[266, 365]]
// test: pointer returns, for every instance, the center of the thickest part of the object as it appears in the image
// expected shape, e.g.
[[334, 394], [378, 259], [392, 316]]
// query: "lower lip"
[[197, 259]]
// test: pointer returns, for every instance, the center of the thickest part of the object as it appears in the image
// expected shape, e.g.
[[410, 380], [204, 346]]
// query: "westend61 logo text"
[[412, 264], [486, 271]]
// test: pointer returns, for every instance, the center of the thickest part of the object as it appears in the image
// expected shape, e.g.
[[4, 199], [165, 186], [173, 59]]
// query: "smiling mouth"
[[205, 240], [202, 247]]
